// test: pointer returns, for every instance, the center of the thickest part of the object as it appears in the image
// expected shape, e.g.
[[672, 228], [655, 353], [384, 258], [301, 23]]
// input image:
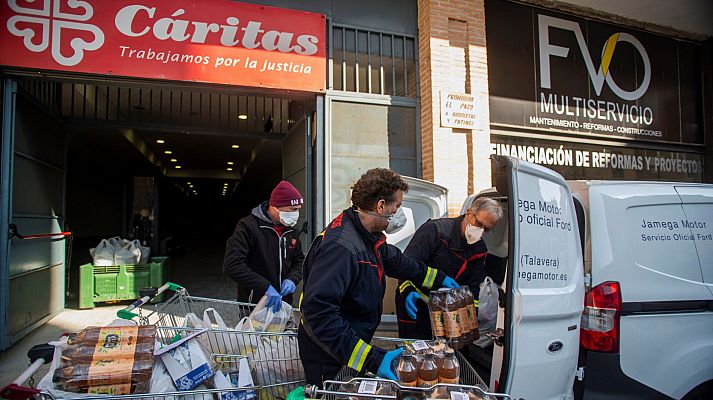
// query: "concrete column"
[[453, 57]]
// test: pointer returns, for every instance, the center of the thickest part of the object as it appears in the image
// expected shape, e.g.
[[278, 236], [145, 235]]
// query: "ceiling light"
[[230, 163], [225, 184], [174, 160], [168, 152], [229, 169], [188, 182], [178, 167], [242, 116], [160, 141], [235, 146]]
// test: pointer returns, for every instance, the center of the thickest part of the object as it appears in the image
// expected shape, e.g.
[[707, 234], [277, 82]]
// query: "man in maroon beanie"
[[264, 255]]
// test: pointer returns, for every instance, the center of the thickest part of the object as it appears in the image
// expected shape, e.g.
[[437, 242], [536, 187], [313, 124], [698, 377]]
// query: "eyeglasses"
[[479, 224]]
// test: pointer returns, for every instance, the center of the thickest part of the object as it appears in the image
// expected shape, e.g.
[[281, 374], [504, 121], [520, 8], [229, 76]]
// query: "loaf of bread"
[[111, 360]]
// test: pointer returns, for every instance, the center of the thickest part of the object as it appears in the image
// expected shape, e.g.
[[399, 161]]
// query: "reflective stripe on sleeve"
[[361, 350], [430, 277], [405, 285]]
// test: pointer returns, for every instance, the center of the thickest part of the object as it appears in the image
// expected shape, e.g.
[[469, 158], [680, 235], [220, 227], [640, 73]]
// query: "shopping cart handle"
[[127, 313], [43, 351], [16, 392]]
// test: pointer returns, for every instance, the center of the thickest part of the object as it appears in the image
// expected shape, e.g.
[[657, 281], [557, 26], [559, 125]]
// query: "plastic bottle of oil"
[[407, 370], [453, 332], [465, 326], [428, 370], [436, 308], [449, 372], [472, 315]]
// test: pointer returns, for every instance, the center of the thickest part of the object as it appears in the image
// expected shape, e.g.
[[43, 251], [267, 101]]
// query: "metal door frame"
[[6, 168]]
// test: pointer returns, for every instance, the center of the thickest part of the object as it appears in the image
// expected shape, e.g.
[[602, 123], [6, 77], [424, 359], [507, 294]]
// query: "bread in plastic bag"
[[113, 360]]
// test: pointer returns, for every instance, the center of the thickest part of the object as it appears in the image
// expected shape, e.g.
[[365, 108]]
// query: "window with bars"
[[373, 62]]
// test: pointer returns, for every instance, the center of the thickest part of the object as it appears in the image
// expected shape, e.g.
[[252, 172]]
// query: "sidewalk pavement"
[[14, 361]]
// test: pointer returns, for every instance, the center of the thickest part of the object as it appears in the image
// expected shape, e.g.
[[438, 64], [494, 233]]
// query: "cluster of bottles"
[[453, 316], [436, 363]]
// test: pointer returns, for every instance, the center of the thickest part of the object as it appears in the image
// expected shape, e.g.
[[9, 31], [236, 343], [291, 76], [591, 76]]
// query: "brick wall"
[[453, 58]]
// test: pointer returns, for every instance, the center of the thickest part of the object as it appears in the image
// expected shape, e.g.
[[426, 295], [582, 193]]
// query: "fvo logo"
[[598, 77]]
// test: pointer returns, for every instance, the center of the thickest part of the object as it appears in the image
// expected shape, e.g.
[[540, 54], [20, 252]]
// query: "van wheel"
[[704, 391]]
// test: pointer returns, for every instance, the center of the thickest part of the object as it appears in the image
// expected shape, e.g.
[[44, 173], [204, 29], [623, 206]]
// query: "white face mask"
[[289, 218], [396, 221], [472, 233]]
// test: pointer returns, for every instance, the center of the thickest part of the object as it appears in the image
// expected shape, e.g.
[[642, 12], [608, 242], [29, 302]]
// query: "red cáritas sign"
[[214, 41]]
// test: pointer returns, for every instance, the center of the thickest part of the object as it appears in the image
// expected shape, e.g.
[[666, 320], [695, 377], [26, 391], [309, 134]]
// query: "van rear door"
[[545, 283]]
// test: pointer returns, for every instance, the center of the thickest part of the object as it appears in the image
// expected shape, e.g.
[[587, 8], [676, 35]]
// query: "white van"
[[639, 295]]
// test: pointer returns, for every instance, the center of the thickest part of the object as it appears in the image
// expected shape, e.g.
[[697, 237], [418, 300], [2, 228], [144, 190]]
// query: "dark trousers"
[[318, 372], [420, 328]]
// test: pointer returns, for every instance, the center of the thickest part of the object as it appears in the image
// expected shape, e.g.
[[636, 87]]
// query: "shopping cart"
[[347, 383], [273, 359], [173, 311]]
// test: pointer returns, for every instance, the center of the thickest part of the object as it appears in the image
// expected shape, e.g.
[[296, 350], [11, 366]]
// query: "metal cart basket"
[[273, 358], [346, 384], [173, 311]]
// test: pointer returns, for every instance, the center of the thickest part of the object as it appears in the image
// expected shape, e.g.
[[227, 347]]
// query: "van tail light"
[[600, 319]]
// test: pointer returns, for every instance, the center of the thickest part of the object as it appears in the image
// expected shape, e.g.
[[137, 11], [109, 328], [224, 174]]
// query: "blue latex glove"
[[288, 287], [274, 300], [385, 370], [450, 283], [411, 304]]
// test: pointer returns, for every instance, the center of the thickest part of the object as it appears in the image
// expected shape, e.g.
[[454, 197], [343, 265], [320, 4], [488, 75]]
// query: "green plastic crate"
[[120, 282]]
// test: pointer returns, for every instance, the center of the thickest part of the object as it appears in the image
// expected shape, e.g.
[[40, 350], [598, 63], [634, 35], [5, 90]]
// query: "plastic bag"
[[144, 251], [161, 381], [116, 368], [103, 254], [487, 310], [277, 360], [247, 339], [241, 380], [220, 342], [265, 320], [127, 254]]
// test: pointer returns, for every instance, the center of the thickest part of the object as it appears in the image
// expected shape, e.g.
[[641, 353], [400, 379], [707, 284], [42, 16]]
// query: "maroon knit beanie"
[[285, 194]]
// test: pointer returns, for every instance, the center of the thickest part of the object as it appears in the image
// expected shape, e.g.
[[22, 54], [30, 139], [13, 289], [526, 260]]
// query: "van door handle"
[[498, 336]]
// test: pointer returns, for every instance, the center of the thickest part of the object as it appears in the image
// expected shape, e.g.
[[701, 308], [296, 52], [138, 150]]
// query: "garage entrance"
[[172, 165]]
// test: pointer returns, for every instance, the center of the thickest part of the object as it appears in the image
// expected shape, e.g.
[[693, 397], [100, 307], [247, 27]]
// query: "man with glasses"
[[454, 246]]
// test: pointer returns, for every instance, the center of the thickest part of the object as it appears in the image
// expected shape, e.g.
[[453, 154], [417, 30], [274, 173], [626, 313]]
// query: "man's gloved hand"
[[385, 370], [274, 300], [411, 304], [288, 287], [450, 283]]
